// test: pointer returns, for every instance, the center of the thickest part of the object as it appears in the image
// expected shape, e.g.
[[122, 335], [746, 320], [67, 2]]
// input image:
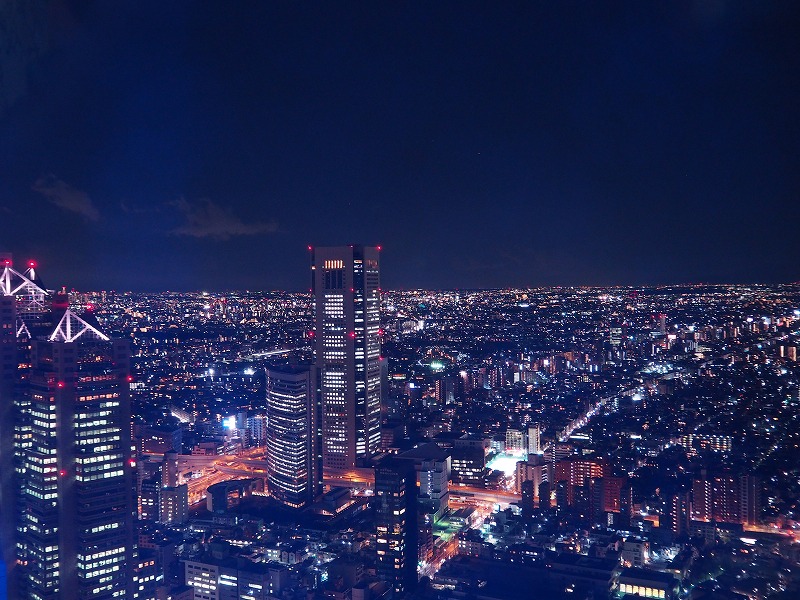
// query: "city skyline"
[[394, 444], [297, 288], [399, 301], [517, 146]]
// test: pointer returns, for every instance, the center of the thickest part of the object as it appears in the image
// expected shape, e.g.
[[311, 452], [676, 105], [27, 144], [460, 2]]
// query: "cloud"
[[65, 196], [208, 219], [137, 210]]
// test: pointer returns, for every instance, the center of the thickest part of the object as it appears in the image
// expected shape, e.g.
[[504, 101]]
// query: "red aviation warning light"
[[32, 264], [129, 378], [60, 384]]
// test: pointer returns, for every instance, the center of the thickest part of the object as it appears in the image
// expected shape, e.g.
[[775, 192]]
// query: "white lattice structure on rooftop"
[[22, 329], [71, 327], [32, 299]]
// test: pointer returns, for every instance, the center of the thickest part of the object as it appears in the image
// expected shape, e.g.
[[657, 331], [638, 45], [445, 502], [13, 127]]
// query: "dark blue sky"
[[192, 145]]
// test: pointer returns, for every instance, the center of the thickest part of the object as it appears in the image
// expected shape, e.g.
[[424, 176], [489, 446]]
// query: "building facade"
[[294, 473], [77, 480], [396, 537], [346, 288], [220, 575], [727, 498]]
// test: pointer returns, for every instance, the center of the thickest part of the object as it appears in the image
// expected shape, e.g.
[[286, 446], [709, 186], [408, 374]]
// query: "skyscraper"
[[8, 374], [396, 532], [535, 439], [292, 448], [23, 304], [76, 540], [346, 287]]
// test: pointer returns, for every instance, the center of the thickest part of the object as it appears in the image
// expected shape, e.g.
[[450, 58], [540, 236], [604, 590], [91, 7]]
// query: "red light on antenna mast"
[[379, 248], [32, 264]]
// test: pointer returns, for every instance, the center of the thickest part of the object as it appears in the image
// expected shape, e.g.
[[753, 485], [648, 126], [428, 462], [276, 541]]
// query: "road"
[[502, 497]]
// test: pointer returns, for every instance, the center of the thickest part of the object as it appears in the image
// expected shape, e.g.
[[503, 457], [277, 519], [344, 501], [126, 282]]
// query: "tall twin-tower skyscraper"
[[346, 288]]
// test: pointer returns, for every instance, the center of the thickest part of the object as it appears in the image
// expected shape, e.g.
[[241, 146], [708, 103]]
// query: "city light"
[[574, 373]]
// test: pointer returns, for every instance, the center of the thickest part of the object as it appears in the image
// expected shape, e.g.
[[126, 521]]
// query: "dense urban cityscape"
[[399, 300], [360, 443]]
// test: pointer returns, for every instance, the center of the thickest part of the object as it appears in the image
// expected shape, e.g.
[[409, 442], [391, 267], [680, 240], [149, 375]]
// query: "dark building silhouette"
[[396, 523]]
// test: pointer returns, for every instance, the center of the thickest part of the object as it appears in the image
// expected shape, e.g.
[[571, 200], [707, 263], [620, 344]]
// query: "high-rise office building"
[[396, 536], [76, 538], [535, 439], [293, 453], [174, 505], [8, 374], [346, 287], [433, 465], [150, 499], [23, 307]]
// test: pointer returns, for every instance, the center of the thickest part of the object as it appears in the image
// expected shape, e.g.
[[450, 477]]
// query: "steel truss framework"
[[31, 298]]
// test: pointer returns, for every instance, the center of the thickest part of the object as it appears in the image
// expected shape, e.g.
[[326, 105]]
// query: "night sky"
[[202, 146]]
